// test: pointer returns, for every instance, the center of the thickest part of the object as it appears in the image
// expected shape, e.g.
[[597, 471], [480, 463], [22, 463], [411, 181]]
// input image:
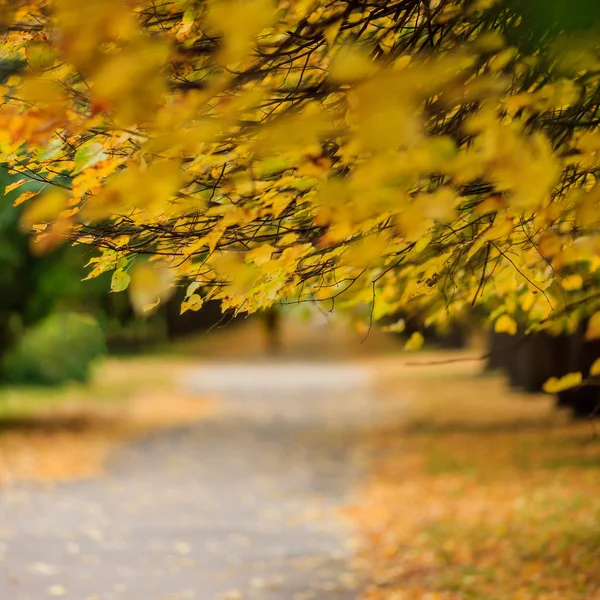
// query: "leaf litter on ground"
[[67, 433], [477, 492]]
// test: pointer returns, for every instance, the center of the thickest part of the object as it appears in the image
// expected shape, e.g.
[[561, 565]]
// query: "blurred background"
[[456, 472], [62, 336], [298, 453]]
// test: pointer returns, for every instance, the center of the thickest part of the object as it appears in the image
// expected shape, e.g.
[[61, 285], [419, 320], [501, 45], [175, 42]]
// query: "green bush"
[[59, 348]]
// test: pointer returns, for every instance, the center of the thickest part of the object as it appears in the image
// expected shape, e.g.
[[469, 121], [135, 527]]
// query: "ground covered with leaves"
[[478, 493], [54, 434]]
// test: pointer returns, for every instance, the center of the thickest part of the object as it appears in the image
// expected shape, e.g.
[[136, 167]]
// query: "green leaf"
[[303, 184], [88, 155], [52, 150], [271, 166], [120, 281]]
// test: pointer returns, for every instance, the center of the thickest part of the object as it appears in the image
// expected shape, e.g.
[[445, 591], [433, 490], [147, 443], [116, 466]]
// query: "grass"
[[112, 381]]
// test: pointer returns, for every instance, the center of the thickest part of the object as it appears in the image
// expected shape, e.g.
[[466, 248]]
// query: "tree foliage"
[[430, 154]]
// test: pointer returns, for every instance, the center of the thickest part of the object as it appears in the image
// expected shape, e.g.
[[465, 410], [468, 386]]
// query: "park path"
[[243, 505]]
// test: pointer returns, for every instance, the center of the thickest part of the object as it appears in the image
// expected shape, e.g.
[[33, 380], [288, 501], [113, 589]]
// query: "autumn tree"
[[430, 154]]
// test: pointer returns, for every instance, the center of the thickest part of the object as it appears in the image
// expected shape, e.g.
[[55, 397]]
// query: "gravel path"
[[243, 505]]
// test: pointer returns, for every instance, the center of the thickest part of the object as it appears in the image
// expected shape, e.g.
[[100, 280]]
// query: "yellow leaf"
[[23, 197], [527, 300], [549, 244], [14, 185], [194, 302], [502, 59], [505, 324], [239, 22], [261, 255], [135, 188], [287, 240], [54, 235], [593, 327], [351, 64], [595, 368], [46, 207], [280, 203], [42, 91], [560, 384], [150, 284], [332, 31], [131, 81], [490, 41], [292, 136], [441, 205], [121, 241], [412, 223], [572, 282], [415, 342], [367, 251]]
